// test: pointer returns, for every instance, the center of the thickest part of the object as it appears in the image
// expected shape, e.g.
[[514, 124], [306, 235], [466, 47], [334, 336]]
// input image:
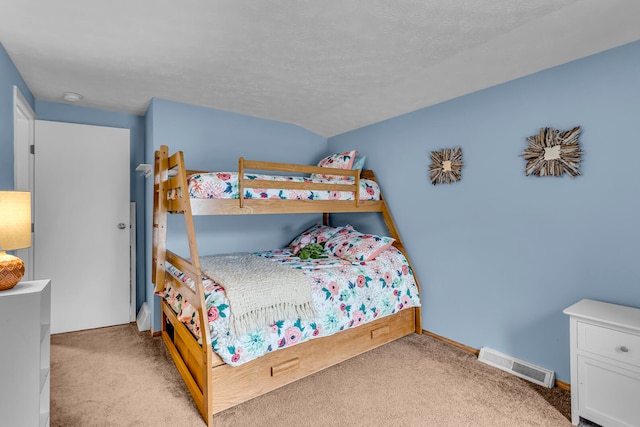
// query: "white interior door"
[[81, 238], [23, 137]]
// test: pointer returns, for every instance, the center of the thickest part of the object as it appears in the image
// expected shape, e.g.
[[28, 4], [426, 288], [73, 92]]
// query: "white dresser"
[[25, 320], [605, 363]]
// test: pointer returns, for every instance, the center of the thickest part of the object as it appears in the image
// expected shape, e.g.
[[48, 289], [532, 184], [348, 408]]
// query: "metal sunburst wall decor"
[[446, 166], [552, 153]]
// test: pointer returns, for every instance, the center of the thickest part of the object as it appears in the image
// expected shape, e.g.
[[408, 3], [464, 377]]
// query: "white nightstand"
[[25, 330], [605, 363]]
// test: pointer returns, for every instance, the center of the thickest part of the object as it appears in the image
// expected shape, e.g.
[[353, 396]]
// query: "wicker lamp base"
[[11, 270]]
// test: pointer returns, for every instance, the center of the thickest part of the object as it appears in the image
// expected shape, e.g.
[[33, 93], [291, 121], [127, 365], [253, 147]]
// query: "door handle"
[[122, 226]]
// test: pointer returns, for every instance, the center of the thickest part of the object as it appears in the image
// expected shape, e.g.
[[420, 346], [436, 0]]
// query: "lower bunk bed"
[[360, 294]]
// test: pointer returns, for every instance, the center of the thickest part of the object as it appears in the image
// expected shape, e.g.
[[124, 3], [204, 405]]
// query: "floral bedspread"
[[224, 185], [345, 295]]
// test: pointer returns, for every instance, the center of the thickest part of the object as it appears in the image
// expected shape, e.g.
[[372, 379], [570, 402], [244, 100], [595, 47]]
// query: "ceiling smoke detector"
[[71, 96]]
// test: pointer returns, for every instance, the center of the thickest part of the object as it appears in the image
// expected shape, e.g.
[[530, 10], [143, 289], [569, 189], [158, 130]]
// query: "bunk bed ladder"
[[179, 186], [207, 395]]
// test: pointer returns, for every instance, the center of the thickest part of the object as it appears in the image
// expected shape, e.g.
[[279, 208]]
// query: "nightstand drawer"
[[610, 343]]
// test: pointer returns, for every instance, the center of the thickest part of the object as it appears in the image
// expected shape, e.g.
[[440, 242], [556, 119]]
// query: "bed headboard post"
[[393, 232], [240, 181], [326, 220]]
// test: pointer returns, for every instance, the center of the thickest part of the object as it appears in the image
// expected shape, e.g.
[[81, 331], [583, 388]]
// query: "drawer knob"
[[379, 332], [285, 366], [624, 349]]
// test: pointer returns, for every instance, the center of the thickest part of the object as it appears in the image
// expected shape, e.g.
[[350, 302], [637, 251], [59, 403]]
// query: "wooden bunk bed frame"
[[214, 385]]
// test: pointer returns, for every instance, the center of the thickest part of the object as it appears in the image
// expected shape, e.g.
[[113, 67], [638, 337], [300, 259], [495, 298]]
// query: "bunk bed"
[[212, 379]]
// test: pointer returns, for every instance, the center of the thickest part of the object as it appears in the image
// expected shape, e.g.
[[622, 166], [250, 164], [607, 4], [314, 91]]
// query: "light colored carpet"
[[117, 376]]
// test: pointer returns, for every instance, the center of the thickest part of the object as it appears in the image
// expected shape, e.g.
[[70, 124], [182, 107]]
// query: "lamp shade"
[[15, 220]]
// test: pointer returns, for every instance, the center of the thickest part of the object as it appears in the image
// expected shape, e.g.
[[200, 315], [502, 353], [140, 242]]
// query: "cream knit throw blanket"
[[260, 292]]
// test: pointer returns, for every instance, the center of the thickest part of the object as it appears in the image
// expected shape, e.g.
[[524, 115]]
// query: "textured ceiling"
[[329, 66]]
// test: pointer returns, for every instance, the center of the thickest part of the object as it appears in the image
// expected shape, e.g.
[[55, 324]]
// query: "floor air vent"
[[525, 370]]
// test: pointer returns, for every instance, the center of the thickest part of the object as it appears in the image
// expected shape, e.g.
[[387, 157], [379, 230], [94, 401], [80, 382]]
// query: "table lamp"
[[15, 233]]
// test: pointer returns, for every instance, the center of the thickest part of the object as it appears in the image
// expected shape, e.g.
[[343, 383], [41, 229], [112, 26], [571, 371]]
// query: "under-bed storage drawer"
[[289, 364]]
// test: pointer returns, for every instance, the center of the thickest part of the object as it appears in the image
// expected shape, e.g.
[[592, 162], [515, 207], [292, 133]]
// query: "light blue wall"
[[59, 112], [9, 77], [499, 255], [214, 140]]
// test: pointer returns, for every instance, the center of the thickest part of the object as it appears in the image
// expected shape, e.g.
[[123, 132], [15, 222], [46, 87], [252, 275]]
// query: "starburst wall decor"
[[553, 153], [446, 166]]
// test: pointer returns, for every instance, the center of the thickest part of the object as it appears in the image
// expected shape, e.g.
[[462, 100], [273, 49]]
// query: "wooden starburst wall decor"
[[553, 153], [446, 166]]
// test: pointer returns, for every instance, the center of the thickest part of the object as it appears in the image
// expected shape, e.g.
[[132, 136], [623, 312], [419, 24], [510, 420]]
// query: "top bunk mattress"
[[224, 185]]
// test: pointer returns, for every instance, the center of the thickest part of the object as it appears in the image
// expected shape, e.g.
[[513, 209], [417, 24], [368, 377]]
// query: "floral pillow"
[[318, 233], [337, 161], [351, 245]]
